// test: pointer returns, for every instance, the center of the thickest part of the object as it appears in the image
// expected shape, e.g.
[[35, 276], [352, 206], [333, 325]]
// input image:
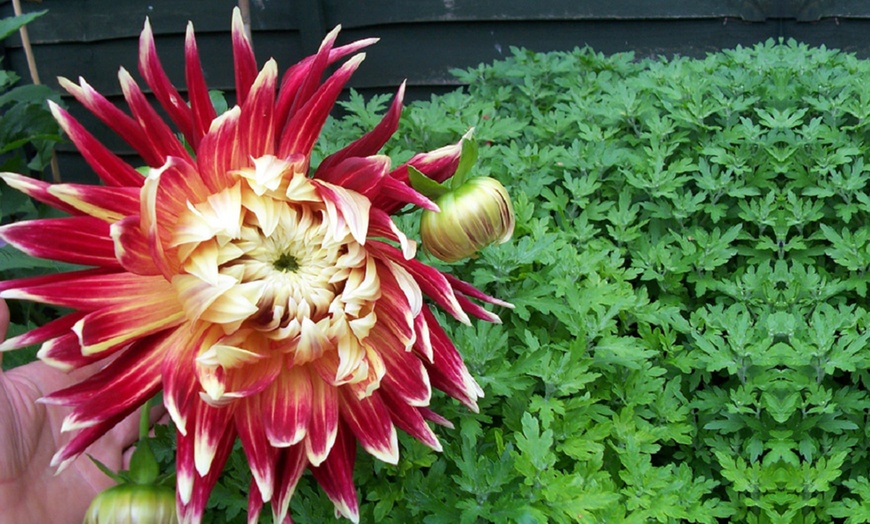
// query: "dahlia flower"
[[271, 301]]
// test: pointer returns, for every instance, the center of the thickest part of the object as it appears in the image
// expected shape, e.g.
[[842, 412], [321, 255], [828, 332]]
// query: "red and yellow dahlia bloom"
[[270, 301]]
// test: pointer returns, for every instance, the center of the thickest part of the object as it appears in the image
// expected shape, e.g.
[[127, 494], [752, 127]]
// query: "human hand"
[[30, 490]]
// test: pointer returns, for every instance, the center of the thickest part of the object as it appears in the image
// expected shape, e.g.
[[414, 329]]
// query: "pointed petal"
[[84, 438], [363, 175], [194, 489], [256, 129], [290, 95], [52, 278], [219, 153], [131, 247], [37, 190], [156, 131], [467, 289], [77, 240], [261, 456], [53, 329], [212, 425], [287, 406], [447, 371], [406, 375], [323, 427], [155, 76], [304, 127], [91, 292], [121, 123], [65, 353], [124, 384], [370, 422], [346, 207], [243, 58], [408, 418], [106, 203], [120, 323], [475, 309], [180, 387], [291, 465], [396, 194], [197, 90], [431, 281], [107, 165], [368, 144], [335, 475], [381, 225]]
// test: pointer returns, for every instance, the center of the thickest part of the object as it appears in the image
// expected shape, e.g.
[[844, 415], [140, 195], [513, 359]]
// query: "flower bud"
[[472, 217], [133, 504]]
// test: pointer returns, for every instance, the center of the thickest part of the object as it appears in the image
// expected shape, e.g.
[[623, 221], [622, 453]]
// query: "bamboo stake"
[[245, 8], [34, 77]]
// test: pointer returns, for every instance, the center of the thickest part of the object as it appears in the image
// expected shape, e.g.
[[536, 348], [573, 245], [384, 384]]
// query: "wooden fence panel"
[[421, 40]]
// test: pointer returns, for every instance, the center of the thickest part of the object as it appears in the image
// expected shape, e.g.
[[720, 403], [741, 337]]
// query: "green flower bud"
[[472, 217], [133, 504]]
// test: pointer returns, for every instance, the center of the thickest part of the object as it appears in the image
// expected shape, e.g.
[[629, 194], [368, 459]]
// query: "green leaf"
[[11, 24]]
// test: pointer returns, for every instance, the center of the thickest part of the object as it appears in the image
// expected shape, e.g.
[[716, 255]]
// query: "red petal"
[[304, 126], [77, 240], [396, 194], [38, 190], [381, 225], [287, 406], [371, 142], [211, 426], [131, 247], [106, 203], [65, 353], [91, 292], [363, 175], [107, 165], [243, 58], [467, 289], [120, 387], [152, 70], [84, 438], [430, 280], [120, 323], [406, 375], [50, 279], [408, 418], [197, 90], [370, 421], [291, 466], [324, 420], [256, 129], [162, 139], [179, 380], [261, 456], [219, 153], [120, 122], [335, 475], [447, 371], [53, 329]]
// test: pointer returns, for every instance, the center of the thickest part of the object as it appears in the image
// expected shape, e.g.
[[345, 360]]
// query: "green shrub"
[[689, 270]]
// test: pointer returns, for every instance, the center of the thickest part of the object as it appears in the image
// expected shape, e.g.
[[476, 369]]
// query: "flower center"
[[286, 263]]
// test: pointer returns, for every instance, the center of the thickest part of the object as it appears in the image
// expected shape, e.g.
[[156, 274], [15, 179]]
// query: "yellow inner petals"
[[270, 263]]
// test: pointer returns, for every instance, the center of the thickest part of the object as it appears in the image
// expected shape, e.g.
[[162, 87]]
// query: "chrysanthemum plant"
[[270, 300]]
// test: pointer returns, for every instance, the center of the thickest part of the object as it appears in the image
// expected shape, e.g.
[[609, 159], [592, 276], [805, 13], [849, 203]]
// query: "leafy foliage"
[[689, 269]]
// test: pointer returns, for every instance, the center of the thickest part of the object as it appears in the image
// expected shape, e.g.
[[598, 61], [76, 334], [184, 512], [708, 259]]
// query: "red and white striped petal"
[[197, 90], [180, 387], [323, 427], [261, 456], [256, 127], [361, 174], [211, 426], [381, 225], [291, 465], [92, 292], [37, 190], [77, 240], [152, 70], [243, 58], [447, 371], [219, 153], [53, 329], [406, 375], [156, 131], [287, 407], [106, 203], [408, 418], [304, 126], [335, 475], [121, 123], [83, 439], [368, 144], [345, 208], [369, 420], [194, 487], [65, 353], [431, 281], [131, 247], [120, 323]]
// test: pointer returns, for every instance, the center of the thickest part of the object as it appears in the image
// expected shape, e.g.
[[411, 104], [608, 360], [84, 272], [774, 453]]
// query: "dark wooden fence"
[[421, 40]]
